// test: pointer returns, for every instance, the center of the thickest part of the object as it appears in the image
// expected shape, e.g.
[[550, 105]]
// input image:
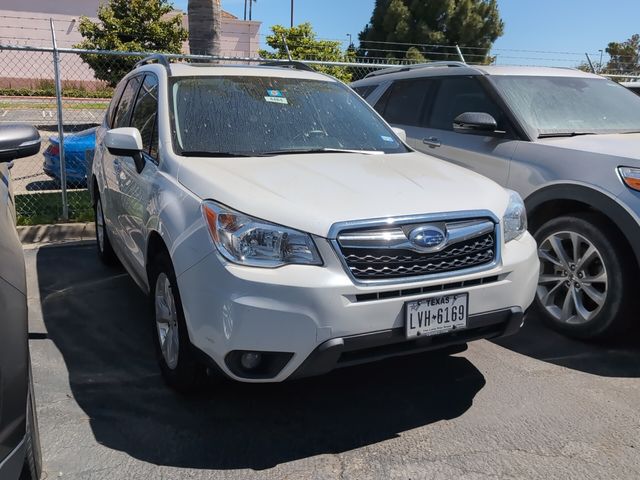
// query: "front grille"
[[395, 263]]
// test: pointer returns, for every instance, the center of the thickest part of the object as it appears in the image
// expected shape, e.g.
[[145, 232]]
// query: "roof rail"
[[406, 68], [155, 58], [287, 64]]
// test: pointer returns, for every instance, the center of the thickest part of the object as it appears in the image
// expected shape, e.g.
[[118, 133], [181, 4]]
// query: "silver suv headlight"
[[249, 241], [514, 220]]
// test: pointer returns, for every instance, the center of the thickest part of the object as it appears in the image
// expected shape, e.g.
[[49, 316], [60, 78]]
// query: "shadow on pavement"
[[98, 319], [616, 358]]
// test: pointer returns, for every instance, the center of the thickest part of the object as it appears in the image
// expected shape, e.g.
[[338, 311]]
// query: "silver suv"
[[568, 142]]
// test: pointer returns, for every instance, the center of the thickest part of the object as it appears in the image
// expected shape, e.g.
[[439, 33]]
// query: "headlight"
[[514, 220], [249, 241], [630, 177]]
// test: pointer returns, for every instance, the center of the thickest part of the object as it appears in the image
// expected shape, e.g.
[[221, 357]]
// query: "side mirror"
[[18, 141], [401, 133], [125, 142], [474, 122]]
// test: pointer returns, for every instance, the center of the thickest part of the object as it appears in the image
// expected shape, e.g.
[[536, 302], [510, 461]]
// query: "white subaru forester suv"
[[283, 229]]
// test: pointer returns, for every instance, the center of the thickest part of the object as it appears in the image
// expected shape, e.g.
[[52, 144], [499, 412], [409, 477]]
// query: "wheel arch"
[[155, 246], [93, 189], [565, 199]]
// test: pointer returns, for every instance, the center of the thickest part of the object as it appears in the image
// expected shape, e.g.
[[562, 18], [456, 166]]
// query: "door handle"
[[432, 142]]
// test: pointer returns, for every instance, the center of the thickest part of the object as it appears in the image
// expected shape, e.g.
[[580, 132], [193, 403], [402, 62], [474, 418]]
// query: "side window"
[[123, 113], [365, 90], [145, 113], [405, 103], [458, 95], [114, 103]]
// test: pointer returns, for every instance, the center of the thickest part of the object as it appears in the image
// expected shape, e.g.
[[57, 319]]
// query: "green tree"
[[133, 26], [624, 56], [303, 45], [429, 25]]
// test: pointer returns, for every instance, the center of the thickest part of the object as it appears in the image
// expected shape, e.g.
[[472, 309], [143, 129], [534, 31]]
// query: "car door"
[[112, 165], [487, 154], [135, 188], [404, 104]]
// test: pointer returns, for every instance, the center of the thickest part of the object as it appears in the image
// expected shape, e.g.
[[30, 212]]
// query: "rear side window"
[[405, 102], [365, 90], [145, 114], [123, 113], [459, 95]]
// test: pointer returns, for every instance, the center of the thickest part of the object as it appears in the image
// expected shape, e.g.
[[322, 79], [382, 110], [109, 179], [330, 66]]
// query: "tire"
[[584, 289], [178, 363], [32, 468], [105, 250]]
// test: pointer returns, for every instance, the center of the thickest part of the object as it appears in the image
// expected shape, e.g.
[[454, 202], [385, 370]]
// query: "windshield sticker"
[[387, 139], [281, 100], [274, 93]]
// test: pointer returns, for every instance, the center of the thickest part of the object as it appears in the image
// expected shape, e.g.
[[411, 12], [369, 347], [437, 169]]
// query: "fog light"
[[250, 360]]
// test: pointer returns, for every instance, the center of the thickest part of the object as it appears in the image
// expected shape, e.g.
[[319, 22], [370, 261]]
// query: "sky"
[[565, 29]]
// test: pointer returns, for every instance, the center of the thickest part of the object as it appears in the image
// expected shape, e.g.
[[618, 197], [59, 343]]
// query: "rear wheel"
[[105, 250], [180, 368], [584, 286], [32, 468]]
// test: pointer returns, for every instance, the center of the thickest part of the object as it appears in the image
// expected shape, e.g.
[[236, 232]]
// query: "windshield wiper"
[[564, 134], [204, 153], [320, 150]]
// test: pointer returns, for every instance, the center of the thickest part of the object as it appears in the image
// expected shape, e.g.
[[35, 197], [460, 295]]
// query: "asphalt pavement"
[[535, 405]]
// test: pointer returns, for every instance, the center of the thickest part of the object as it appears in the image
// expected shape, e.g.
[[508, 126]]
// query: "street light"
[[291, 13], [350, 39], [600, 66]]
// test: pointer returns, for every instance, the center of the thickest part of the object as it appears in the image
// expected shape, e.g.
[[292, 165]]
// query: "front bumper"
[[358, 349], [323, 320]]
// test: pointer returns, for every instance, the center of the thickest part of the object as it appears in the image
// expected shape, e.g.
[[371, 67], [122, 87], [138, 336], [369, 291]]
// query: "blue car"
[[78, 150]]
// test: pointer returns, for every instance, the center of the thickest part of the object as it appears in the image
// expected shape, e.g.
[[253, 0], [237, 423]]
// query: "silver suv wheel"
[[573, 281]]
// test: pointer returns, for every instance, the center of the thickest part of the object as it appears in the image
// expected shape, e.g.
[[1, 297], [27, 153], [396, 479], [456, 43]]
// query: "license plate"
[[437, 315]]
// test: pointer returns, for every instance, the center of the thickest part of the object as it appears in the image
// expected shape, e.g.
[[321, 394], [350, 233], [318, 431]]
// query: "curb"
[[64, 232]]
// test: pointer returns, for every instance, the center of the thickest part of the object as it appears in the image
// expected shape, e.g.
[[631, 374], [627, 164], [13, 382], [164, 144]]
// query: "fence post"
[[460, 54], [63, 170]]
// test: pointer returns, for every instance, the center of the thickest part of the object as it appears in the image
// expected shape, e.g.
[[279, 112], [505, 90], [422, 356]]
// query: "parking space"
[[535, 405]]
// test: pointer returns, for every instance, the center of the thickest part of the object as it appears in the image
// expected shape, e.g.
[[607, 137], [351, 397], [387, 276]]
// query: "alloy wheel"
[[573, 284], [167, 321]]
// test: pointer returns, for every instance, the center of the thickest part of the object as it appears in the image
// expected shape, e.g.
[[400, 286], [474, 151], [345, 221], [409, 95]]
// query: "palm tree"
[[204, 26]]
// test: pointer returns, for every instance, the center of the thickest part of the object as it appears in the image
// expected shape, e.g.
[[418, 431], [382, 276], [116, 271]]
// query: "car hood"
[[84, 139], [625, 145], [312, 192]]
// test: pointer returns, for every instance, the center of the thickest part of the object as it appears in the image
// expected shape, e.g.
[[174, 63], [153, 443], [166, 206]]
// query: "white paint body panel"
[[292, 308]]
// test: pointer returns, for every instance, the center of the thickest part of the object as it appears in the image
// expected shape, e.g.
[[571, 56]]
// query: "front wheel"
[[105, 250], [180, 368], [584, 285]]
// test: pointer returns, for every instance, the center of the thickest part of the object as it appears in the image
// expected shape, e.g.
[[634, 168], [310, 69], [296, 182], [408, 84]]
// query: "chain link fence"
[[28, 94]]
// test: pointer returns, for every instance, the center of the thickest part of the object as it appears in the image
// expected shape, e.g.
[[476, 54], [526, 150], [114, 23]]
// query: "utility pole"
[[291, 13], [245, 9], [600, 66]]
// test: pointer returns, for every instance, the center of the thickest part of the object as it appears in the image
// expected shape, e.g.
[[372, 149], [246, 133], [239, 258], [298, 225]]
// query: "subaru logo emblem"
[[428, 238]]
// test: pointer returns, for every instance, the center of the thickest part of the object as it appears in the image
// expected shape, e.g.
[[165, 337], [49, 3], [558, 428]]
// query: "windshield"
[[571, 106], [269, 115]]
